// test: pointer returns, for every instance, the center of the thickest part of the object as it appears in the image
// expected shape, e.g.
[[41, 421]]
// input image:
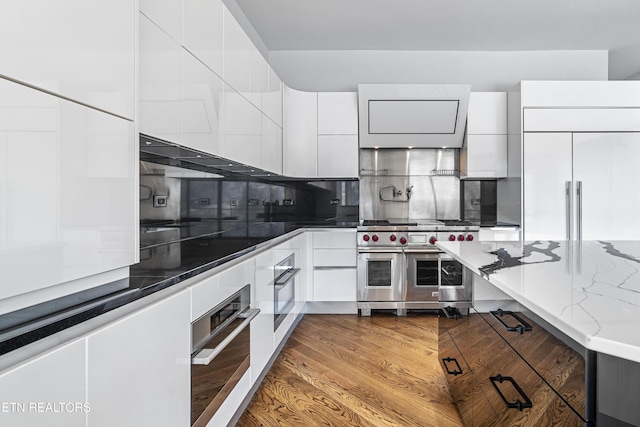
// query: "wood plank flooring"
[[346, 370]]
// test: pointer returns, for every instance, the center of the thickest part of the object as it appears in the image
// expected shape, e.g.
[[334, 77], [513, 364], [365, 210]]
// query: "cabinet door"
[[546, 175], [560, 366], [202, 100], [334, 284], [605, 166], [262, 325], [166, 14], [160, 104], [203, 31], [141, 366], [271, 146], [337, 156], [300, 133], [241, 129], [49, 390], [72, 211], [82, 50], [485, 156], [487, 114], [245, 69], [337, 113], [273, 103]]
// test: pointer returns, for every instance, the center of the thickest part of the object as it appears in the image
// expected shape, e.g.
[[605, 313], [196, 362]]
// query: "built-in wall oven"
[[284, 289], [220, 354], [380, 275]]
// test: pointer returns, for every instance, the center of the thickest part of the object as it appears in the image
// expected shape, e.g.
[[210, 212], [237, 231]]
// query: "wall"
[[485, 71]]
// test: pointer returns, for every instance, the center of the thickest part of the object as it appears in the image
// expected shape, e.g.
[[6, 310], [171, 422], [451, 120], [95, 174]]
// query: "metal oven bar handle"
[[379, 251], [206, 355], [286, 277]]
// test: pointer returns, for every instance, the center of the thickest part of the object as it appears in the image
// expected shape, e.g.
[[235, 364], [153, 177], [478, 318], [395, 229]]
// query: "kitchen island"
[[588, 291]]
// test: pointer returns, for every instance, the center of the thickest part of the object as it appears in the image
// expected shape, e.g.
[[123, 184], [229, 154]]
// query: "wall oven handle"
[[380, 251], [206, 355], [286, 277]]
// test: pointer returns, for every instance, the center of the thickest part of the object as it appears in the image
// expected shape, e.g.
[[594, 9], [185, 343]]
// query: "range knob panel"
[[433, 240], [403, 240], [393, 237], [374, 238], [461, 237], [470, 237], [452, 238], [366, 237]]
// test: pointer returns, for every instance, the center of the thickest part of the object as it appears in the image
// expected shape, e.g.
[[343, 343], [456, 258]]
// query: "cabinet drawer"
[[334, 257], [338, 239], [490, 358], [334, 285], [560, 366]]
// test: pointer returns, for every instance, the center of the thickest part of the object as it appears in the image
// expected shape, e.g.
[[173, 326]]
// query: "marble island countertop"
[[589, 290]]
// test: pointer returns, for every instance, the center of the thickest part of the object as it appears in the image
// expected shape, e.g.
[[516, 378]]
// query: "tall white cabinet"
[[572, 147]]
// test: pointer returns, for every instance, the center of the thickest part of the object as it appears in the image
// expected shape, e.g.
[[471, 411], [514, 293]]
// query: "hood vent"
[[412, 115]]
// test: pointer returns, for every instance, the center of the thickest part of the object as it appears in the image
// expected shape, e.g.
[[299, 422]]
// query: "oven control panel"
[[411, 239]]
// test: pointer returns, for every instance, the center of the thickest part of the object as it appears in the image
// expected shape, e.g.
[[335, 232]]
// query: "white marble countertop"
[[589, 290]]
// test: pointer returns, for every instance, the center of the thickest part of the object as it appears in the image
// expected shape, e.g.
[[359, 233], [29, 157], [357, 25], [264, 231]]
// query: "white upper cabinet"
[[72, 211], [487, 113], [202, 101], [241, 129], [337, 113], [160, 104], [81, 50], [244, 67], [271, 146], [300, 133], [484, 153], [166, 14], [272, 105], [338, 156], [203, 31]]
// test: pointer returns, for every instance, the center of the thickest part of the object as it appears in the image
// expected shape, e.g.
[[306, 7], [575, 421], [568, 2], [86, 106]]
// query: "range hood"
[[412, 115]]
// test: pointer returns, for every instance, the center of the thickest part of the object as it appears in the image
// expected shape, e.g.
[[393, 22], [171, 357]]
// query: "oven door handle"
[[206, 355], [286, 277], [380, 251]]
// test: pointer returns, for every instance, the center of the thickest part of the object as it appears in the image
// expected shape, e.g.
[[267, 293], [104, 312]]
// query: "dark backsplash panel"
[[479, 201], [226, 203]]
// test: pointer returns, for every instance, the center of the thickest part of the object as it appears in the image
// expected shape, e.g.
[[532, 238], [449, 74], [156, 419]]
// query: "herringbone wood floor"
[[346, 370]]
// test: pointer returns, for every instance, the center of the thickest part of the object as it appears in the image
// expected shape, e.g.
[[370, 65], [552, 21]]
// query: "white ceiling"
[[452, 25]]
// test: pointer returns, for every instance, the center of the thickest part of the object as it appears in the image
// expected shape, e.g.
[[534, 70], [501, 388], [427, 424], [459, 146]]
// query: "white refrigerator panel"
[[546, 175], [606, 169]]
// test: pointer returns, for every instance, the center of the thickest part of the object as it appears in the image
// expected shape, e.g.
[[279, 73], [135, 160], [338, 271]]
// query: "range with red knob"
[[366, 237], [433, 240], [460, 237], [452, 238], [403, 240], [470, 237], [374, 238], [393, 237]]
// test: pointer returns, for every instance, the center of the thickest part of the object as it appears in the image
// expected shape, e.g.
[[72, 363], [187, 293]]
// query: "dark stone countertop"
[[196, 248]]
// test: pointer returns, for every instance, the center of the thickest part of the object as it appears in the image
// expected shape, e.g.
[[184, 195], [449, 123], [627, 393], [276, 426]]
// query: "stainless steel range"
[[399, 266]]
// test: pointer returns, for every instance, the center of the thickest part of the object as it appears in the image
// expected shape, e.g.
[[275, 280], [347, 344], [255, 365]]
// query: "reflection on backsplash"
[[479, 201], [177, 203]]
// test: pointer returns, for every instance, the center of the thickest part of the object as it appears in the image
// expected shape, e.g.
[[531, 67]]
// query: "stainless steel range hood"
[[412, 115]]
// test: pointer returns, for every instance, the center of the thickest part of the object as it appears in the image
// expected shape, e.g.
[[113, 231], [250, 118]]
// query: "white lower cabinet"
[[262, 325], [334, 284], [47, 391], [139, 368]]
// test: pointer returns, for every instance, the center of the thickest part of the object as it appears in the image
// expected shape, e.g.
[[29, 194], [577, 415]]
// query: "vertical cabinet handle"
[[458, 368], [521, 328], [579, 193], [518, 404], [568, 208]]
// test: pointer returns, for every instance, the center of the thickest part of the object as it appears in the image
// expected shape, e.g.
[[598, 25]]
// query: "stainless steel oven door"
[[380, 275], [423, 276], [455, 288], [220, 354]]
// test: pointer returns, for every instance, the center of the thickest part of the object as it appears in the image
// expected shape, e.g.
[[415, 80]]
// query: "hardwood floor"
[[345, 370]]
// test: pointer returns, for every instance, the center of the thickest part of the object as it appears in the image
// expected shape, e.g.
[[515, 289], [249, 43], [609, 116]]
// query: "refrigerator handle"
[[579, 206], [568, 208]]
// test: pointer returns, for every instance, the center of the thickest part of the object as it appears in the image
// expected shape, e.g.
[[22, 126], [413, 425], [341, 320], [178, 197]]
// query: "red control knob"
[[452, 237], [403, 240], [392, 237], [461, 238], [433, 240], [469, 237], [365, 237], [375, 238]]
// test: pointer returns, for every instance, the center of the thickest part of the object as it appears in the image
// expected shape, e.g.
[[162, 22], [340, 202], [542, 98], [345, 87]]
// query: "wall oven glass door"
[[220, 354], [455, 281], [380, 276], [423, 274], [284, 289]]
